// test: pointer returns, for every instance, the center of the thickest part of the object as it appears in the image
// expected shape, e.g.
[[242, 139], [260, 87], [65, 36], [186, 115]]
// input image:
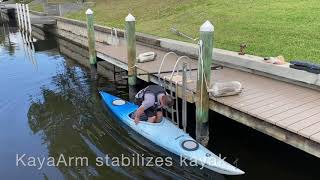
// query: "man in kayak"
[[151, 101]]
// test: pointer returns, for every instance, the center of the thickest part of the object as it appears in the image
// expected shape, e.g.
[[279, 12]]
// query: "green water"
[[50, 107]]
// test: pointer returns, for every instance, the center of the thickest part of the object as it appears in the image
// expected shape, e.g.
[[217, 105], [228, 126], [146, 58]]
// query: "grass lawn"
[[269, 27], [36, 7]]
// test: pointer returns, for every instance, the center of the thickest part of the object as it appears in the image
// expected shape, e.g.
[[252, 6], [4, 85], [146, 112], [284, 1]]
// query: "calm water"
[[49, 107]]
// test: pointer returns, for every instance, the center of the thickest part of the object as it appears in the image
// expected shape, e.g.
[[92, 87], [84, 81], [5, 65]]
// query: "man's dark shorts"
[[152, 111]]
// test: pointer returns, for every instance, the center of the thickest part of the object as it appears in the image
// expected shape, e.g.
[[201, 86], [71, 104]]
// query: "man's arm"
[[138, 113], [148, 101]]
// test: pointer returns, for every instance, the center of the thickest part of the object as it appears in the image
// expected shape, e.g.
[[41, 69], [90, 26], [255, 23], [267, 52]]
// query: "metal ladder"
[[172, 86]]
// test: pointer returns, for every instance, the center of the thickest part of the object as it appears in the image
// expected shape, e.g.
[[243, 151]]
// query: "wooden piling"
[[131, 49], [91, 44], [132, 93], [203, 81]]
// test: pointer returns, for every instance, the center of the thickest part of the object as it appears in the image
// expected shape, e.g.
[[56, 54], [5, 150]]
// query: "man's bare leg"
[[156, 118], [152, 119], [159, 116]]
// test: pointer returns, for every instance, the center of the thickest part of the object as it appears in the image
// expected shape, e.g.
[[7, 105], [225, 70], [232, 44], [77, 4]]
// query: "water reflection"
[[11, 36], [5, 38], [29, 48], [61, 115]]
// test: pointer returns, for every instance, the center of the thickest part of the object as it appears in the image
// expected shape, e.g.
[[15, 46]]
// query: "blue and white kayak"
[[166, 135]]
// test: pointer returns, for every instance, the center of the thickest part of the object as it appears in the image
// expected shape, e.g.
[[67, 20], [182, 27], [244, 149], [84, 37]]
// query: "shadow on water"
[[261, 156], [59, 112]]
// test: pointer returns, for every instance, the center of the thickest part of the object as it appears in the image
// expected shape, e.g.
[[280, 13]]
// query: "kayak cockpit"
[[143, 117]]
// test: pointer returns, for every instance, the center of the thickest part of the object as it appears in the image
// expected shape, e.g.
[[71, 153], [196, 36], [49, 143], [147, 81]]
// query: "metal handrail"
[[174, 71], [163, 59]]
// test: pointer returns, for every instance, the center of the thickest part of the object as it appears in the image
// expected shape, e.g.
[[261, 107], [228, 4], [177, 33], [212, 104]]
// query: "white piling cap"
[[89, 11], [207, 27], [130, 18]]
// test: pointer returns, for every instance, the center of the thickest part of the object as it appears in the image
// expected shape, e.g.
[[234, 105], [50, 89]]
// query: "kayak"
[[168, 136]]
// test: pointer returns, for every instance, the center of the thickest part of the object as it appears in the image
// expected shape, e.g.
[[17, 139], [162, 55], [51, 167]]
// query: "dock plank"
[[245, 105], [258, 91], [311, 130], [316, 137], [119, 52], [253, 106], [43, 20], [295, 127], [294, 111], [299, 117], [271, 104], [287, 106]]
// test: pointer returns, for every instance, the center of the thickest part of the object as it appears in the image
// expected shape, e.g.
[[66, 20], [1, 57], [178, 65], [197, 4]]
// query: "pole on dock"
[[91, 44], [203, 81], [131, 49], [25, 18], [18, 14], [28, 18], [21, 15], [184, 92]]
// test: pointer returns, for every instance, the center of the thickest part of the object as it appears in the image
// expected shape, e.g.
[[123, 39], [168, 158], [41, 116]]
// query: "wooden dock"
[[285, 111], [43, 20]]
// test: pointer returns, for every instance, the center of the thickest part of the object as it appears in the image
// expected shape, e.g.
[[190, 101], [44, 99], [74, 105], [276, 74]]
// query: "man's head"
[[167, 100]]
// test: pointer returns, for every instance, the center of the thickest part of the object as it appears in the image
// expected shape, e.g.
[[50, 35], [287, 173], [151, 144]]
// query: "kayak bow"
[[173, 140]]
